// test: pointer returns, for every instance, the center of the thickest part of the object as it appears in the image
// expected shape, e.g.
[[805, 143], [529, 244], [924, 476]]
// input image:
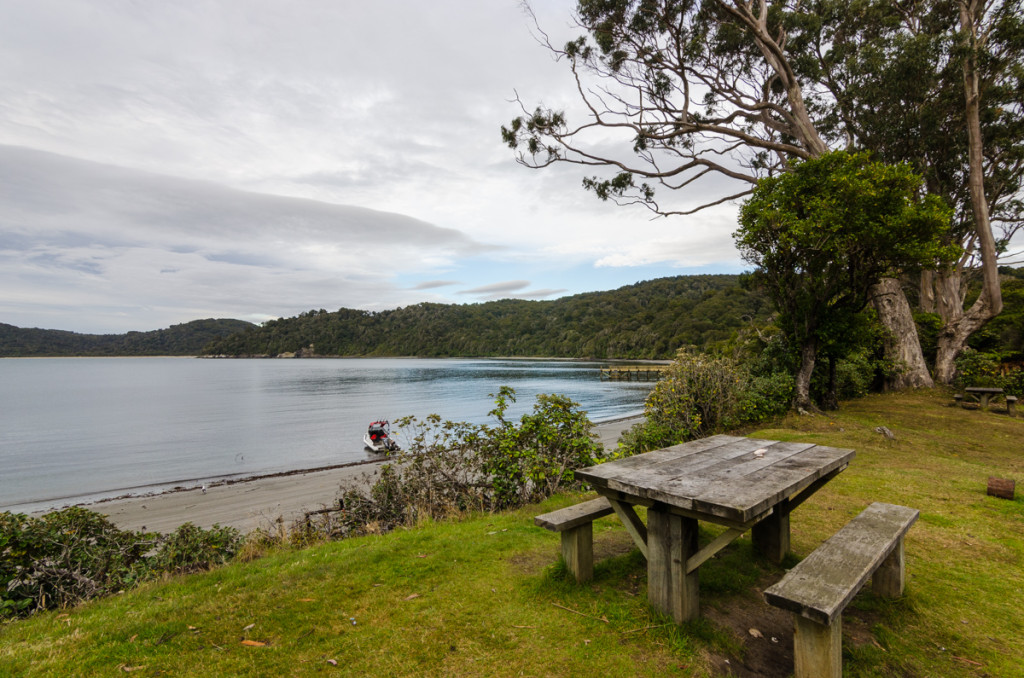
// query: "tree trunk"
[[960, 324], [927, 293], [802, 395], [831, 401], [901, 345]]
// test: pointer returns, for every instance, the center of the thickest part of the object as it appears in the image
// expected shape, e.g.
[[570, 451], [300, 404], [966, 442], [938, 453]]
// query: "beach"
[[262, 502]]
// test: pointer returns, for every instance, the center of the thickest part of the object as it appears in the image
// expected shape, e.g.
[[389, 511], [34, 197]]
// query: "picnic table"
[[983, 394], [741, 483]]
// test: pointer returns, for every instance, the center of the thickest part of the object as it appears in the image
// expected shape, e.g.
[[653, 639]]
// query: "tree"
[[737, 88], [938, 84], [697, 87], [823, 234]]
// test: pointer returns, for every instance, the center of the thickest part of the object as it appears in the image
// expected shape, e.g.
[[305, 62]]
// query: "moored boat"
[[378, 437]]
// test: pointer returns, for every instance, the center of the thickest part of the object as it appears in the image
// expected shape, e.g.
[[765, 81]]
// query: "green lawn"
[[486, 596]]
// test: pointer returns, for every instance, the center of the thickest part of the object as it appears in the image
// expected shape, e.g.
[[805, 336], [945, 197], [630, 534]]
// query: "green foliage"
[[74, 554], [700, 394], [63, 558], [824, 233], [647, 320], [185, 339], [448, 468], [193, 549], [976, 369]]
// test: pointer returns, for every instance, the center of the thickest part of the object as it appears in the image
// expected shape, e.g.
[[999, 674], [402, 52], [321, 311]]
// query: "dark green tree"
[[824, 233]]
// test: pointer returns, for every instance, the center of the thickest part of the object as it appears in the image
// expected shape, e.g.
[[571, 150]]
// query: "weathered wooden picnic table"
[[984, 394], [742, 483]]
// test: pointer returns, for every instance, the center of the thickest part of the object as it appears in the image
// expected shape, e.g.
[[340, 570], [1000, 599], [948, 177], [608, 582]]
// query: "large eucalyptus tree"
[[736, 88]]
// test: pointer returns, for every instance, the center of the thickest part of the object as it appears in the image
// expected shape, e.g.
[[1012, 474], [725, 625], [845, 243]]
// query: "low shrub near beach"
[[449, 468], [72, 555], [700, 394]]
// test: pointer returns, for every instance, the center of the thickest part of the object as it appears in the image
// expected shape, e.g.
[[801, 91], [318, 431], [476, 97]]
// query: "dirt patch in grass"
[[765, 634]]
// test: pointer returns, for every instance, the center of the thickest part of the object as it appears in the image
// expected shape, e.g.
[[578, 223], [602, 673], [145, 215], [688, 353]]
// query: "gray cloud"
[[508, 286], [434, 284]]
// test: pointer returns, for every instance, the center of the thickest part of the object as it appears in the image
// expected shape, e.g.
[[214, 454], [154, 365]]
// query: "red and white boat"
[[378, 437]]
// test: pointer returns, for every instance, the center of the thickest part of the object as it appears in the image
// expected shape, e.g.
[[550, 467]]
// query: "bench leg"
[[578, 551], [671, 540], [1009, 408], [771, 535], [887, 581], [817, 649]]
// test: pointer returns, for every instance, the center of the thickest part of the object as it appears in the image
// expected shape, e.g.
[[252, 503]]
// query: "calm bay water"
[[80, 429]]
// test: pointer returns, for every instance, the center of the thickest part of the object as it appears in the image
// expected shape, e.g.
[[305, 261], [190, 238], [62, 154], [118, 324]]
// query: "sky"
[[162, 162]]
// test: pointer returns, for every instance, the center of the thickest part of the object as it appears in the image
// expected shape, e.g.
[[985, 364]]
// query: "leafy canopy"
[[823, 233]]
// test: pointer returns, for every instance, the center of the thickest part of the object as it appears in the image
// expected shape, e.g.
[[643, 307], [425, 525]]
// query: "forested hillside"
[[184, 339], [651, 319]]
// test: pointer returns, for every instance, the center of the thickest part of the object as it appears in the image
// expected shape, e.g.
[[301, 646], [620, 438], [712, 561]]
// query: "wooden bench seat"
[[819, 588], [575, 523]]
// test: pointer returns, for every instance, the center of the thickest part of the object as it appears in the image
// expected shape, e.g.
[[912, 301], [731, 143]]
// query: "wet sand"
[[262, 502]]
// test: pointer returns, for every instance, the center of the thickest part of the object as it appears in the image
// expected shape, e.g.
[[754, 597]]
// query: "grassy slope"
[[483, 597]]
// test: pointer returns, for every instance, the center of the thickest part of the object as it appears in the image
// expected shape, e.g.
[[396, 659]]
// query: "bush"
[[976, 369], [72, 555], [700, 394], [449, 468], [193, 549], [63, 558]]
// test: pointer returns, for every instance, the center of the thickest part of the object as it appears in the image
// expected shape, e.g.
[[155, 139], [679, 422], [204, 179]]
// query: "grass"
[[487, 596]]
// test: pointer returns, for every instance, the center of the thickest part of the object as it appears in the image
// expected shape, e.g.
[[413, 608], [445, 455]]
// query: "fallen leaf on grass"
[[132, 639], [307, 600], [332, 662], [755, 633], [253, 643], [412, 597], [246, 628], [128, 669], [422, 555]]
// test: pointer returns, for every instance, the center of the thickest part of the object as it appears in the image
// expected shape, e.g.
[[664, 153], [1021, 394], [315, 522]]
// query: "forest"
[[647, 320], [184, 339]]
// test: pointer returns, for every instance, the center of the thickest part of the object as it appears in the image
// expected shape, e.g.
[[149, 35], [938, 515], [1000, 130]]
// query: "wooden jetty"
[[633, 372]]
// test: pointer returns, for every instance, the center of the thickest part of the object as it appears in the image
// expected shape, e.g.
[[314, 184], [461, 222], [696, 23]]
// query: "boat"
[[378, 437]]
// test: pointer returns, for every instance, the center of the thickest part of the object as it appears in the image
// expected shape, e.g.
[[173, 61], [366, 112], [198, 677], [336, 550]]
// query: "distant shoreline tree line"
[[184, 339], [647, 320]]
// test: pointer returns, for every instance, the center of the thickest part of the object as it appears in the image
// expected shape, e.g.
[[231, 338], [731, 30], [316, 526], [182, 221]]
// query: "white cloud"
[[237, 147]]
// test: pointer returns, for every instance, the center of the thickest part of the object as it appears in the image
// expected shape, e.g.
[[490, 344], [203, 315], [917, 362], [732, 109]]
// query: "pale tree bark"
[[960, 324], [802, 389], [901, 343]]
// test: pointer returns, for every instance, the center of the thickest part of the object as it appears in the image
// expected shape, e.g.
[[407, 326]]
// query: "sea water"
[[80, 429]]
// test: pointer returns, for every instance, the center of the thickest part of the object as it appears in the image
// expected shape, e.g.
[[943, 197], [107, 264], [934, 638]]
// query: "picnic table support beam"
[[771, 535], [671, 541], [631, 521]]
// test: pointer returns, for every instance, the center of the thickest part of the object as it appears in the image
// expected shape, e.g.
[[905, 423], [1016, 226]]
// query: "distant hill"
[[650, 319], [184, 339]]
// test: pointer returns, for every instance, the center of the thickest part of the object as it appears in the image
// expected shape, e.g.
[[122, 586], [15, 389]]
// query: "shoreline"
[[263, 501]]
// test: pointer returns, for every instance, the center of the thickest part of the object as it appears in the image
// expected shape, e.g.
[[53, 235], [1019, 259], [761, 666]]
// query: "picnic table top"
[[720, 477], [983, 389]]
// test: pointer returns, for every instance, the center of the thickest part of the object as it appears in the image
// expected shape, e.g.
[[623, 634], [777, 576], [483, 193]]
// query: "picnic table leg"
[[671, 540], [984, 401], [771, 535]]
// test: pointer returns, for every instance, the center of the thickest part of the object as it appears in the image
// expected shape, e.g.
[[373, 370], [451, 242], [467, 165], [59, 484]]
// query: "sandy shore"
[[260, 502]]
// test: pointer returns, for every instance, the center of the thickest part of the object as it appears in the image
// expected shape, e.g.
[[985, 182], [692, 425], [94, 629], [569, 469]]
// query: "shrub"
[[976, 369], [452, 467], [65, 557], [69, 556], [193, 549]]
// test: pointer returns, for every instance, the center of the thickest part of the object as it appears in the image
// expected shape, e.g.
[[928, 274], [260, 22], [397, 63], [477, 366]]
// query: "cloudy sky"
[[167, 161]]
